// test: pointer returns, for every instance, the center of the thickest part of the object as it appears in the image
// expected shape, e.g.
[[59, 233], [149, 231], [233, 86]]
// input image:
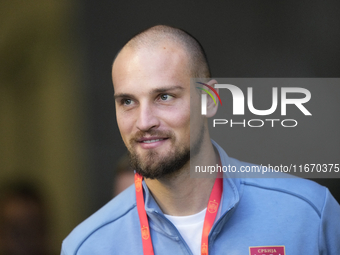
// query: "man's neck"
[[181, 195]]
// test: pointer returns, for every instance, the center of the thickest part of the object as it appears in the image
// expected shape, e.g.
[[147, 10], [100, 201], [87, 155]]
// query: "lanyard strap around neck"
[[210, 215], [143, 218]]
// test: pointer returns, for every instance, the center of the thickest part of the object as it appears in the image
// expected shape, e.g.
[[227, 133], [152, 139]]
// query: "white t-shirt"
[[191, 227]]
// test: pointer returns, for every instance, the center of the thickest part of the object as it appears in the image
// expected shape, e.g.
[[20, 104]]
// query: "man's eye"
[[165, 97], [127, 101]]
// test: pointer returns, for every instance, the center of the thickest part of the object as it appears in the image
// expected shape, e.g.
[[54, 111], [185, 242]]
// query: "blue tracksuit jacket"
[[294, 214]]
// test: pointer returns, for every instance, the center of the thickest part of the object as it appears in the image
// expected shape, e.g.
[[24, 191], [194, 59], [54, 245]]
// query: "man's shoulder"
[[277, 185], [113, 211], [289, 188]]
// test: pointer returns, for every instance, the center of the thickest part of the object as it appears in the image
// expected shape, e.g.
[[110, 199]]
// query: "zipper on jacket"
[[178, 234]]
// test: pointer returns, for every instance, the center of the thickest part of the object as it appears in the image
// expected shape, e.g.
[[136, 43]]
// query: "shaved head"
[[157, 35]]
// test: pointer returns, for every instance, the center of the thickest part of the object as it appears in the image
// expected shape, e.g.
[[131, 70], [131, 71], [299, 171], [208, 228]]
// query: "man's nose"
[[147, 119]]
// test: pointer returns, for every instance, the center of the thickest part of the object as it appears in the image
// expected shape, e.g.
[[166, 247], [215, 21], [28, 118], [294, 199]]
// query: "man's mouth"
[[153, 140]]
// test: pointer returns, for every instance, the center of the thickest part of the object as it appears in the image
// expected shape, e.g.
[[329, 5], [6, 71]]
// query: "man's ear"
[[211, 105]]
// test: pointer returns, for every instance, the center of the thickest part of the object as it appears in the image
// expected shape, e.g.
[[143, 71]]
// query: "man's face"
[[152, 96]]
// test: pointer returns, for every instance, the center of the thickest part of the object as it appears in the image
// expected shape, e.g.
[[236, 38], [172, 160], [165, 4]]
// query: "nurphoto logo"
[[239, 104]]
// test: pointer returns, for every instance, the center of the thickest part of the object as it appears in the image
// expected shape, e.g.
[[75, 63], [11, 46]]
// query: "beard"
[[154, 166]]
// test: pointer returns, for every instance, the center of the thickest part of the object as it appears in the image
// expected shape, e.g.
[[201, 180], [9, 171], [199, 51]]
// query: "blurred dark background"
[[57, 113]]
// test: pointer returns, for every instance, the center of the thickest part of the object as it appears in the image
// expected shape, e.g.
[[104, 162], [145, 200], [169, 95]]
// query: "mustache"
[[140, 134]]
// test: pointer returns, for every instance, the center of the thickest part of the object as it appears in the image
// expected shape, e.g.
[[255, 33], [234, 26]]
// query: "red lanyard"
[[210, 215]]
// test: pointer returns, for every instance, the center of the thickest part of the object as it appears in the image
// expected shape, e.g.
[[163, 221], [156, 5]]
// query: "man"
[[171, 213]]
